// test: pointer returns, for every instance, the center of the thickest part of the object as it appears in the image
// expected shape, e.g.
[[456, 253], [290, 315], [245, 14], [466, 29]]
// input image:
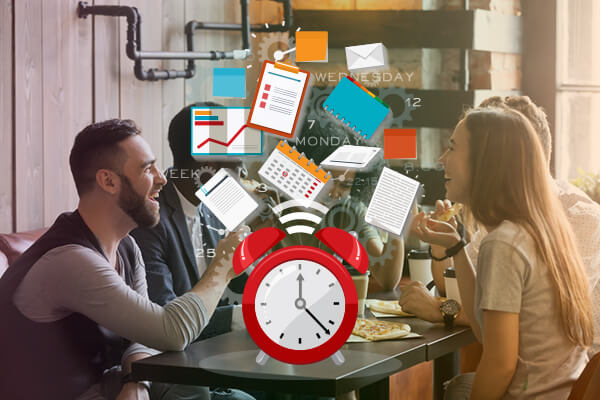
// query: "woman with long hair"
[[528, 299]]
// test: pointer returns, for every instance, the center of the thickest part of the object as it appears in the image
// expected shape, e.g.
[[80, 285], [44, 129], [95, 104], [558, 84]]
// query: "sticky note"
[[400, 144], [229, 82], [311, 46]]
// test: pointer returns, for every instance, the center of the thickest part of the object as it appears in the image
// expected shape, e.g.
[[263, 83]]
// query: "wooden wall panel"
[[199, 88], [107, 49], [29, 138], [173, 91], [67, 100], [70, 71], [6, 116], [141, 100]]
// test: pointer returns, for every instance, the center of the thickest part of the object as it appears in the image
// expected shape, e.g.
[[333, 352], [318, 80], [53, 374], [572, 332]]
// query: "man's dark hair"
[[97, 147], [180, 131]]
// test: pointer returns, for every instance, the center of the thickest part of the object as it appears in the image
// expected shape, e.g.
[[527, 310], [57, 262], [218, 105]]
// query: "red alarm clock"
[[299, 303]]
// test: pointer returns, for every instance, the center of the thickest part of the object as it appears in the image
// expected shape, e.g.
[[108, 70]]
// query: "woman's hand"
[[441, 206], [435, 232]]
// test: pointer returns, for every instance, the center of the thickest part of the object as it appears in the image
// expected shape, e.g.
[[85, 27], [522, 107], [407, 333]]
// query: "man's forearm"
[[211, 287]]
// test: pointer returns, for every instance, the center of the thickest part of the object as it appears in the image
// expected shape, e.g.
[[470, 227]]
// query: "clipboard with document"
[[278, 99]]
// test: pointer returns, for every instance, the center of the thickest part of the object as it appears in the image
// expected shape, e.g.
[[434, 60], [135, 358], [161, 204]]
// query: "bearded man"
[[75, 307]]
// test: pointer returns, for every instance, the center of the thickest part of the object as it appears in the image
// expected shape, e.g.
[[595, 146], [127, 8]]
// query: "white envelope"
[[365, 56]]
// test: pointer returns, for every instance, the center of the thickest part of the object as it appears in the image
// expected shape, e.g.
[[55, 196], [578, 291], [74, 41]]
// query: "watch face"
[[300, 304], [450, 307]]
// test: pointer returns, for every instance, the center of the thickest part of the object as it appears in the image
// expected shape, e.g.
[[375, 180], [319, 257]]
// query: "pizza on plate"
[[374, 330], [388, 307]]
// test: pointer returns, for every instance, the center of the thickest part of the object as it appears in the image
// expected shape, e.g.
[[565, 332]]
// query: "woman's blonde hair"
[[510, 181]]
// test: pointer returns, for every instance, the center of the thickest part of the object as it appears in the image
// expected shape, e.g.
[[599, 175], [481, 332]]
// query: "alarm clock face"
[[299, 304]]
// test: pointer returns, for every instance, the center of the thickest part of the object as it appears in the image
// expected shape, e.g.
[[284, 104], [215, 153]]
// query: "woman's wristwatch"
[[451, 251]]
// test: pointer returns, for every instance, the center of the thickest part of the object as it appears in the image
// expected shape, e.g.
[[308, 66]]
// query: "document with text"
[[227, 199], [392, 201]]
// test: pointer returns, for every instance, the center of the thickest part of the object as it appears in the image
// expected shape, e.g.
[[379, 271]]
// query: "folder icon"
[[311, 46], [400, 144], [354, 105]]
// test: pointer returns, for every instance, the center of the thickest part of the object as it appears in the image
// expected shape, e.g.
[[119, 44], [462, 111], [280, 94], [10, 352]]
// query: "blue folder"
[[357, 107]]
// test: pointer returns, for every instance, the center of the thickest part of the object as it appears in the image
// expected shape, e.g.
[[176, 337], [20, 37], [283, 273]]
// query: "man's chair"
[[587, 386], [12, 245]]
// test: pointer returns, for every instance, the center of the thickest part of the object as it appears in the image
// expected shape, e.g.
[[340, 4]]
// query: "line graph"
[[223, 130], [226, 144]]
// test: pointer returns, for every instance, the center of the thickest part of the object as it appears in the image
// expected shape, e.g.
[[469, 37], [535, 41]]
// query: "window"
[[578, 87]]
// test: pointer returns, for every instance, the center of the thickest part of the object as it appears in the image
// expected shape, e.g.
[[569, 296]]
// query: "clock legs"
[[262, 358], [338, 358]]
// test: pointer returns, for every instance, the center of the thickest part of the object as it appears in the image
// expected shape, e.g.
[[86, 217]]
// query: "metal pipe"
[[133, 47], [183, 55], [245, 26]]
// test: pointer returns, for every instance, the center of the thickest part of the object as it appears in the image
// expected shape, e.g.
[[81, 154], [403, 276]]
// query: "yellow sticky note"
[[311, 46]]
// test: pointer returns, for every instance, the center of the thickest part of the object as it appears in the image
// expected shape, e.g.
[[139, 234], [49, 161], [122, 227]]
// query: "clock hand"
[[300, 303], [317, 321], [300, 279]]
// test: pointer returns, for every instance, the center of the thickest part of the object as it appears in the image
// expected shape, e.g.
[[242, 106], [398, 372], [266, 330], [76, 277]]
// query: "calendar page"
[[291, 173]]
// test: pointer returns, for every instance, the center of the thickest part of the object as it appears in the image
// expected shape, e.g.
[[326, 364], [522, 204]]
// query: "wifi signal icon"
[[300, 215]]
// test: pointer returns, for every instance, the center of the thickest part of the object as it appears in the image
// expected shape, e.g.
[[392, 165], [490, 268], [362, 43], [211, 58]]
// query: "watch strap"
[[448, 320], [454, 250], [436, 258]]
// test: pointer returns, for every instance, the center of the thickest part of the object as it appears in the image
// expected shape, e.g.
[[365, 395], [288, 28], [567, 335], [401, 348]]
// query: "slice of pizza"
[[375, 330], [388, 307], [449, 213]]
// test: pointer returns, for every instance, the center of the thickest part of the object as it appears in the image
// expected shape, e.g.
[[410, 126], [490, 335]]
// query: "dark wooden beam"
[[442, 108], [467, 29], [539, 59]]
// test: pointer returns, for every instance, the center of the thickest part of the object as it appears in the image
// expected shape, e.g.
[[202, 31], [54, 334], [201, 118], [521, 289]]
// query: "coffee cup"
[[451, 283], [362, 285], [419, 265]]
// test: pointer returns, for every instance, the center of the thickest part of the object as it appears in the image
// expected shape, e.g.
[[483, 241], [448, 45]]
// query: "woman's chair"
[[587, 386]]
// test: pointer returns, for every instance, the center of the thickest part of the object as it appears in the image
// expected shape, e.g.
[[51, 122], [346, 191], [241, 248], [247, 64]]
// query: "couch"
[[12, 245]]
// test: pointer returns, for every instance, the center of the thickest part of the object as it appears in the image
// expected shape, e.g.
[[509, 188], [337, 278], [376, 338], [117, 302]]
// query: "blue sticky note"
[[229, 82], [355, 106]]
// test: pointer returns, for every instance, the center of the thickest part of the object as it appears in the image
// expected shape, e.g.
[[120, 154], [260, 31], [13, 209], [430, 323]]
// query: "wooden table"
[[229, 360]]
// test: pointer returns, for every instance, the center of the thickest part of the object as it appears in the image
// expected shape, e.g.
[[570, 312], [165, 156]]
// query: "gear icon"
[[266, 48], [343, 217], [388, 253], [203, 171], [397, 99]]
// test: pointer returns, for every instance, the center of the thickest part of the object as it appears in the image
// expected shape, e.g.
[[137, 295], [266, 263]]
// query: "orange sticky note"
[[400, 144], [311, 46]]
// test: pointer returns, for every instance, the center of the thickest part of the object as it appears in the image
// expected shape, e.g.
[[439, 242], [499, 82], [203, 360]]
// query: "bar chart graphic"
[[223, 131]]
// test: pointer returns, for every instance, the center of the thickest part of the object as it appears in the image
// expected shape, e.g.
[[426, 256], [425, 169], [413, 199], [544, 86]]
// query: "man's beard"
[[135, 205]]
